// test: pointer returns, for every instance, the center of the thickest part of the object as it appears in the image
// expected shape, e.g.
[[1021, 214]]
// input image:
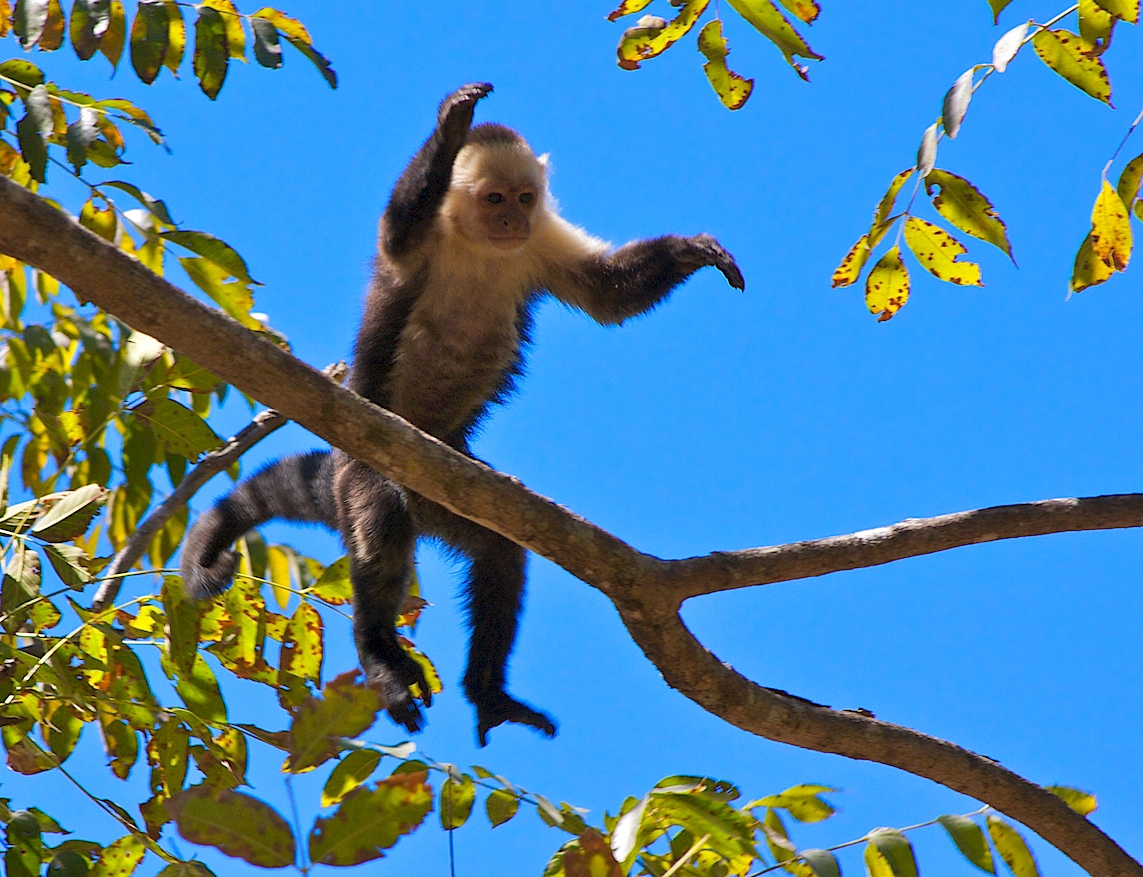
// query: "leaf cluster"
[[652, 35], [158, 35]]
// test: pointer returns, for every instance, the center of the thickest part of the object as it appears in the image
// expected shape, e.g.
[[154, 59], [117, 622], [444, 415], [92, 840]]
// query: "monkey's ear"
[[543, 160]]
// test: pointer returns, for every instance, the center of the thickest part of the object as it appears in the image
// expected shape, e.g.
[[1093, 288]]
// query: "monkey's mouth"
[[504, 242]]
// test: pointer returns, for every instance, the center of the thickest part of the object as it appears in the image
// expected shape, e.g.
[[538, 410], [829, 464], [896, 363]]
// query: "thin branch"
[[262, 425], [647, 591]]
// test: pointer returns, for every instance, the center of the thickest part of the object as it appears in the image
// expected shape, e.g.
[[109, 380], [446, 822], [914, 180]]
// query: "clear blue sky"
[[725, 419]]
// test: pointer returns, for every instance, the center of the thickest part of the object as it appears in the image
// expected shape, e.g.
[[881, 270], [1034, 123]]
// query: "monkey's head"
[[498, 190]]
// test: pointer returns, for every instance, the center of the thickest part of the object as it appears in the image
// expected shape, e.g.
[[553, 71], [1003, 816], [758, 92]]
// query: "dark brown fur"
[[467, 243]]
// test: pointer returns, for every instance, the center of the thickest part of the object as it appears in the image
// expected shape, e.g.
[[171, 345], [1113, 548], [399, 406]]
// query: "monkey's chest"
[[451, 358]]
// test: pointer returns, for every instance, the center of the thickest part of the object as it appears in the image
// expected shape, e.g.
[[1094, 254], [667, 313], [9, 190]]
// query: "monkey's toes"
[[500, 708], [406, 712]]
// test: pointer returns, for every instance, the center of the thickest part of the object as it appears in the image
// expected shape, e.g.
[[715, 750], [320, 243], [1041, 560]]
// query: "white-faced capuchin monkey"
[[470, 240]]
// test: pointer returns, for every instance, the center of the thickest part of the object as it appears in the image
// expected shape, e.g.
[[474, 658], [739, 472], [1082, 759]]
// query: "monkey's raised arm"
[[419, 192], [610, 287]]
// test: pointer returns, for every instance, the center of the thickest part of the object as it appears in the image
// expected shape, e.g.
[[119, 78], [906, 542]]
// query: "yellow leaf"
[[625, 8], [1089, 269], [235, 35], [1111, 229], [847, 272], [887, 287], [966, 207], [733, 90], [1065, 53], [646, 40], [1129, 180], [176, 37], [1128, 10], [1095, 25], [885, 206], [938, 251], [769, 22]]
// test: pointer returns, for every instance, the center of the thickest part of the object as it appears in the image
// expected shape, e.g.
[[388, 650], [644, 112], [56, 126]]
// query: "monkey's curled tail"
[[298, 488]]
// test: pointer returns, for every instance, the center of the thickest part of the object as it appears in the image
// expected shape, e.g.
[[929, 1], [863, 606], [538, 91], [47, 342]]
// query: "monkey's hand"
[[497, 707], [454, 117], [703, 250], [393, 682]]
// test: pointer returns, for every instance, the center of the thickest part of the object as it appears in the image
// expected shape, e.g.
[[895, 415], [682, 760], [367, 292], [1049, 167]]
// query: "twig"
[[262, 425]]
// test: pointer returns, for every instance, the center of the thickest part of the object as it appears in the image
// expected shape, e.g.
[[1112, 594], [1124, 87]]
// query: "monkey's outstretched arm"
[[419, 192], [637, 276]]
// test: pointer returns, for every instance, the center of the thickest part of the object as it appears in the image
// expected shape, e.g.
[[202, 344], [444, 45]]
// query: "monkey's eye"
[[527, 197], [494, 198]]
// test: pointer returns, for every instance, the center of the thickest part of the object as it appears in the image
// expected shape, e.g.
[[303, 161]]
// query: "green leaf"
[[113, 40], [53, 33], [962, 204], [176, 37], [938, 252], [235, 35], [1012, 848], [33, 130], [177, 429], [24, 72], [803, 802], [889, 854], [213, 250], [1081, 802], [822, 862], [887, 286], [267, 49], [302, 644], [770, 22], [1111, 237], [297, 35], [651, 36], [70, 514], [200, 692], [1064, 52], [997, 8], [150, 36], [121, 858], [350, 773], [68, 863], [1129, 181], [29, 20], [156, 206], [969, 839], [457, 798], [334, 586], [89, 23], [238, 825], [211, 56], [346, 709], [1128, 10], [501, 805], [733, 90], [67, 561], [80, 135], [371, 820]]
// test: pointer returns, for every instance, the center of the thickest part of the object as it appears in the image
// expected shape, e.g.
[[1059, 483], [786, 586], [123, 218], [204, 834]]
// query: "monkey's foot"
[[394, 684], [712, 253], [498, 707]]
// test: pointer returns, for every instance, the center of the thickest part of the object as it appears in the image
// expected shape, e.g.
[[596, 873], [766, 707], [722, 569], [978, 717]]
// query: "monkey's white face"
[[496, 193], [500, 213]]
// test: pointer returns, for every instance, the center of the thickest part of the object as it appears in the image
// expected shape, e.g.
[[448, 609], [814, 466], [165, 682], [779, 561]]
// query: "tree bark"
[[646, 590]]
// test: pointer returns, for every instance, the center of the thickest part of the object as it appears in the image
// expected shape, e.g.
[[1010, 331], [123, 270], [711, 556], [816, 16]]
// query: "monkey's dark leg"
[[495, 592], [639, 275], [422, 187], [380, 537]]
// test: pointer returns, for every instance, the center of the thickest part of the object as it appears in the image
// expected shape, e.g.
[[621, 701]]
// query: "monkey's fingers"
[[457, 108], [407, 713], [714, 254], [500, 708]]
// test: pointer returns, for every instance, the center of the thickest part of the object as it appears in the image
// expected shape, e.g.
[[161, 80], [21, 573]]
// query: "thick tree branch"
[[646, 590]]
